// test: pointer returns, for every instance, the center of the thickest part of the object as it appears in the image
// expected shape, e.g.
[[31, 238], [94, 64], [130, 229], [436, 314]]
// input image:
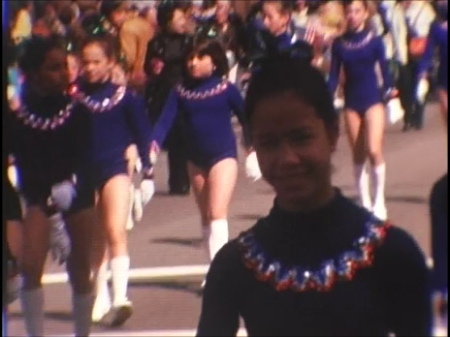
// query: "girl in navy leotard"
[[358, 51], [207, 100], [438, 37], [45, 139], [116, 119]]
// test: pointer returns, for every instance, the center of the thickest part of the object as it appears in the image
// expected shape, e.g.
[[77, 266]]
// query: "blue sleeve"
[[335, 68], [388, 81], [237, 105], [426, 60], [140, 126], [166, 119]]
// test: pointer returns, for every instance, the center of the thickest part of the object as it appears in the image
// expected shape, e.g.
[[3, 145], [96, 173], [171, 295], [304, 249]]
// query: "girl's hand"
[[252, 167]]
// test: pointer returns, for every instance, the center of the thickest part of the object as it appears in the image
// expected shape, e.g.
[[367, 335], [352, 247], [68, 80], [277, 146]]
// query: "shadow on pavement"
[[189, 242], [252, 217], [189, 287], [53, 315]]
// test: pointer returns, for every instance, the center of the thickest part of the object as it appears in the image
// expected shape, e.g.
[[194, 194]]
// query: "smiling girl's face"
[[294, 149]]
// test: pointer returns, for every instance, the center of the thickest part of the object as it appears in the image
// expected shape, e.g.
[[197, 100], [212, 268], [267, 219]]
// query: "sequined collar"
[[51, 118], [349, 44], [300, 279], [97, 106], [202, 94]]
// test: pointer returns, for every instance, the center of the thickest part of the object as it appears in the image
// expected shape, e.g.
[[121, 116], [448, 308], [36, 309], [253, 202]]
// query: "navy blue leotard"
[[358, 54], [110, 131], [48, 155], [207, 107]]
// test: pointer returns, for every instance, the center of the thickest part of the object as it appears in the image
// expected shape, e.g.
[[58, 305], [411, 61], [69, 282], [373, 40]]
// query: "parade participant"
[[274, 35], [46, 137], [228, 29], [134, 33], [419, 16], [164, 66], [318, 264], [358, 51], [438, 37], [117, 120], [207, 99]]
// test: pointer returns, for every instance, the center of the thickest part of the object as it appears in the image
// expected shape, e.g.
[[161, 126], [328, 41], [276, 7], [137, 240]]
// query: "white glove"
[[252, 167], [138, 165], [154, 152], [422, 90], [59, 239], [63, 194], [13, 176], [147, 190]]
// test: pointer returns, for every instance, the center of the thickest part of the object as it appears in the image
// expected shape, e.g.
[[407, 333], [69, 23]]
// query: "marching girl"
[[207, 98], [117, 119], [45, 138], [358, 51], [438, 37], [317, 264]]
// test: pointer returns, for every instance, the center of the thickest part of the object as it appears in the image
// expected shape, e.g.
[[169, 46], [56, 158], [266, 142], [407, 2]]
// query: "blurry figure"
[[228, 29], [164, 65], [74, 33], [439, 248], [73, 68], [134, 35], [419, 16]]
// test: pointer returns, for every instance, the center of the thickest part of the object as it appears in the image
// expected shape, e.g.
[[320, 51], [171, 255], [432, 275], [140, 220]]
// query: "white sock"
[[378, 174], [33, 311], [206, 233], [130, 222], [363, 186], [119, 269], [82, 311], [218, 236], [102, 298]]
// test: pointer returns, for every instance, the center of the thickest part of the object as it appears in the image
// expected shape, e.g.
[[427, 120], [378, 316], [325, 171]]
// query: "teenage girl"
[[358, 51], [117, 119], [207, 98], [45, 144]]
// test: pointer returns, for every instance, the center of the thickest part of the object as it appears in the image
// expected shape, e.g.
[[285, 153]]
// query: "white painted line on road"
[[152, 333], [156, 273], [144, 274]]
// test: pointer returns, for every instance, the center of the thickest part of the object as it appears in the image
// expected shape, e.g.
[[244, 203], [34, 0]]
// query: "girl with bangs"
[[206, 99]]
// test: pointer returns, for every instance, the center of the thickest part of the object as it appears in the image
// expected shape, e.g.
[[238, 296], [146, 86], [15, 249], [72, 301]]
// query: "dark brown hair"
[[106, 42], [284, 73], [213, 49]]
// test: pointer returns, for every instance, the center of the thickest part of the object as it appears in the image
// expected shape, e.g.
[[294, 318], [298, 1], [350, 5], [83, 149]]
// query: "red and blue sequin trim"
[[298, 279]]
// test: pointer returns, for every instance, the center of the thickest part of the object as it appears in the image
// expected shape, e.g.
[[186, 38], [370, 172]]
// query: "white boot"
[[33, 311], [378, 174], [122, 307], [363, 186], [102, 303]]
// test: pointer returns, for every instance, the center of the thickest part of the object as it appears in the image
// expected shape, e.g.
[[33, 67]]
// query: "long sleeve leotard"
[[358, 54], [45, 142], [206, 107], [250, 278], [117, 118]]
